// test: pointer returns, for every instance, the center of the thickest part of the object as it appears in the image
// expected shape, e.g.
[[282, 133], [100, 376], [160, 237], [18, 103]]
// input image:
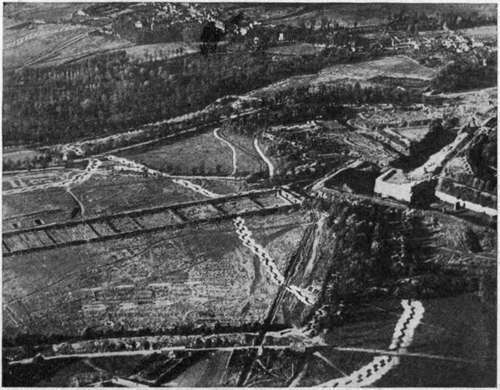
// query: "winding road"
[[270, 165], [233, 150]]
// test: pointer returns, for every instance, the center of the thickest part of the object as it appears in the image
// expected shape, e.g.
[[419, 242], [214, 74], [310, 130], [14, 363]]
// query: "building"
[[395, 184]]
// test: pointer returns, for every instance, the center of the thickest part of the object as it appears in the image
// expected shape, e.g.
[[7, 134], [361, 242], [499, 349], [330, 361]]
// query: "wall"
[[468, 205]]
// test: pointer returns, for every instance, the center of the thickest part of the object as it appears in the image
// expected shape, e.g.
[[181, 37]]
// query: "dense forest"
[[111, 93]]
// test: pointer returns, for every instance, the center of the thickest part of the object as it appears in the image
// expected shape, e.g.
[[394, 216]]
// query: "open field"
[[289, 230], [396, 67], [460, 327], [199, 155], [199, 274], [36, 208], [145, 220], [85, 47], [49, 12], [161, 50], [119, 191], [481, 33], [298, 49], [51, 44], [105, 193], [247, 159], [19, 155]]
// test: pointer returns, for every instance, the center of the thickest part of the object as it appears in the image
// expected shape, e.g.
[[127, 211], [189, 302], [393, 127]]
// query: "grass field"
[[194, 275], [395, 67], [248, 160], [53, 43], [20, 155], [119, 191], [160, 50], [298, 49], [46, 206], [481, 33], [280, 237], [50, 12], [199, 155]]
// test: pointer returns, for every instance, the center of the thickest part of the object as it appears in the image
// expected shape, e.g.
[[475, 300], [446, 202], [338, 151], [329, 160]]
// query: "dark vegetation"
[[419, 21], [42, 160], [30, 375], [441, 133], [210, 37], [381, 252], [111, 93], [30, 341], [483, 157], [466, 72]]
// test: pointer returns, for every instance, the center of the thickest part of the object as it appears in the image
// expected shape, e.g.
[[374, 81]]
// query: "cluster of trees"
[[380, 250], [30, 340], [483, 158], [466, 71], [341, 93], [111, 93], [42, 160]]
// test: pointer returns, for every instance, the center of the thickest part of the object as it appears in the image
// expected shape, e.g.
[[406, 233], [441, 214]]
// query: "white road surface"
[[233, 150], [264, 157]]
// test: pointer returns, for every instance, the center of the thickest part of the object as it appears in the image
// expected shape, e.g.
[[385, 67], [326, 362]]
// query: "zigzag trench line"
[[366, 375], [241, 230], [245, 236], [381, 365]]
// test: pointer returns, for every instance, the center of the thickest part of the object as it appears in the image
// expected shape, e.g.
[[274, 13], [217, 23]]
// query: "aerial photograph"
[[249, 194]]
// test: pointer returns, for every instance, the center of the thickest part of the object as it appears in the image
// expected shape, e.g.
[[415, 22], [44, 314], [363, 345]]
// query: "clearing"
[[396, 67], [120, 191], [198, 155]]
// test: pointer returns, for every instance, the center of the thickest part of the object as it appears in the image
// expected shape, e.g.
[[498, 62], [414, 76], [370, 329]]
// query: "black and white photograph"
[[249, 194]]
